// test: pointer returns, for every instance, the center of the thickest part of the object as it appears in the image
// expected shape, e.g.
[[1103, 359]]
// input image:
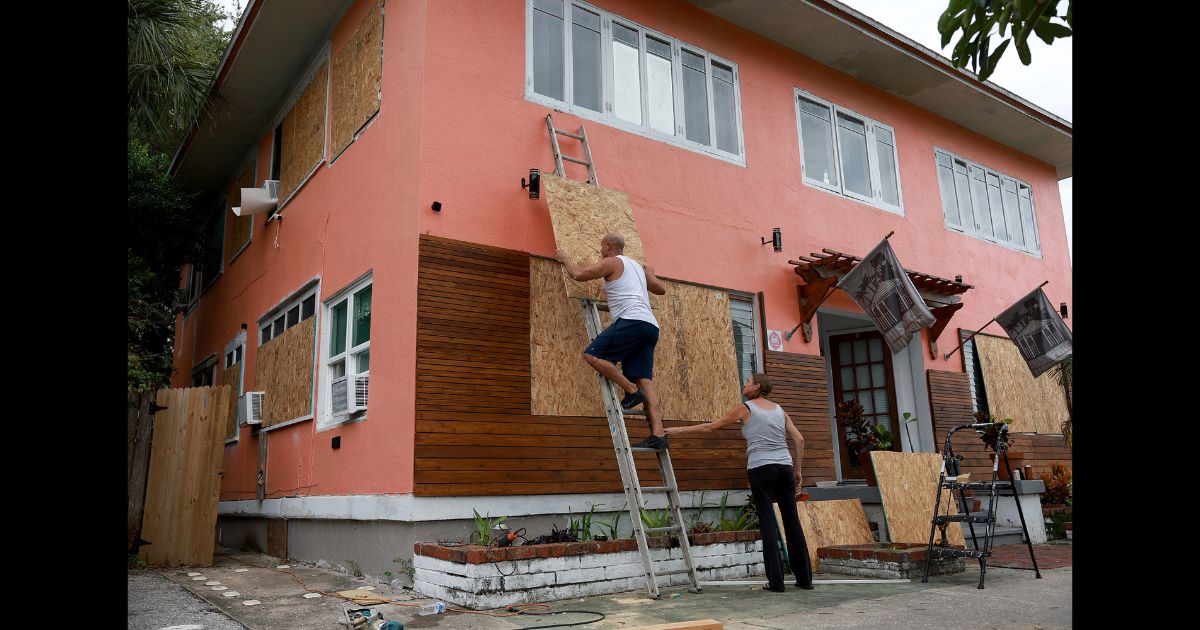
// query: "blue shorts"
[[630, 342]]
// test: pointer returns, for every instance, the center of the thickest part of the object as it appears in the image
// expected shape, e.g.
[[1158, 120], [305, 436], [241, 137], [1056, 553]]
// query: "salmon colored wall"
[[351, 217], [701, 218], [454, 126]]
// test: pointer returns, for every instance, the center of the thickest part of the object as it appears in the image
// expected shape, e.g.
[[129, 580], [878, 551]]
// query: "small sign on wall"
[[774, 340]]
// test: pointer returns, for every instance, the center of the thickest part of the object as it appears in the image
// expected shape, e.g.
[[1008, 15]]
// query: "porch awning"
[[821, 272]]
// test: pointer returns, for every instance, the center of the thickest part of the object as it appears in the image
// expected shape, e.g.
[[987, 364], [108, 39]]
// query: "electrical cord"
[[601, 616]]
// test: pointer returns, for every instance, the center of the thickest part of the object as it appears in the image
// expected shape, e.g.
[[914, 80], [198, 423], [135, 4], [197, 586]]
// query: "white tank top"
[[627, 297]]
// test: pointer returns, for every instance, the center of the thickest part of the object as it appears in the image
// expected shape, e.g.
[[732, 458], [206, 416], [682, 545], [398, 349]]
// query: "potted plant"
[[991, 435], [862, 436]]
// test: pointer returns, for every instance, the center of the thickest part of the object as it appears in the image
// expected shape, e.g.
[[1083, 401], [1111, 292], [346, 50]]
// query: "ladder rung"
[[634, 412], [669, 528], [567, 134], [963, 518], [659, 489], [576, 160], [645, 449], [659, 574]]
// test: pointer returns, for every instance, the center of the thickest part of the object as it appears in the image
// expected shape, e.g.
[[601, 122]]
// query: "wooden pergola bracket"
[[943, 315]]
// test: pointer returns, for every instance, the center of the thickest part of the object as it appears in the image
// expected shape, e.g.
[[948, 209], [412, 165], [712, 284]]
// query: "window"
[[603, 67], [347, 348], [276, 151], [744, 343], [287, 315], [849, 154], [205, 373], [974, 371], [986, 204], [194, 279]]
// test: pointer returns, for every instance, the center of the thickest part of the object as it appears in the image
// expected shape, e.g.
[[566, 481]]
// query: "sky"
[[1046, 82]]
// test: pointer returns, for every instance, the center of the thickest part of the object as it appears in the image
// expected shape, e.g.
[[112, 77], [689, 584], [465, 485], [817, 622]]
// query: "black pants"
[[777, 483]]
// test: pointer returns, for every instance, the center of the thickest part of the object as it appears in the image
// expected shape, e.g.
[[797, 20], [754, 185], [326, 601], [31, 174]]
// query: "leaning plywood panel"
[[284, 370], [695, 364], [562, 384], [828, 523], [368, 66], [183, 482], [908, 484], [232, 376], [303, 134], [1036, 405], [582, 214]]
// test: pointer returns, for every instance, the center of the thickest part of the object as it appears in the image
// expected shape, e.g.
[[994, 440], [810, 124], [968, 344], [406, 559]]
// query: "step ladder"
[[581, 136], [635, 492], [948, 480]]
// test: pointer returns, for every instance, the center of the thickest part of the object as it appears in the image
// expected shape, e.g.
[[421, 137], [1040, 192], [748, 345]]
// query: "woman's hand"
[[670, 430], [799, 479]]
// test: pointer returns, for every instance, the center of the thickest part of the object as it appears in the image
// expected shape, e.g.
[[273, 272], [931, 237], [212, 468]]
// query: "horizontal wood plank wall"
[[802, 389], [950, 399], [475, 434]]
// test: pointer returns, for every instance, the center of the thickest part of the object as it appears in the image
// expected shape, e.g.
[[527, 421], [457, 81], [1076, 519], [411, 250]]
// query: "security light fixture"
[[437, 206], [1062, 309], [534, 184], [958, 278], [776, 240]]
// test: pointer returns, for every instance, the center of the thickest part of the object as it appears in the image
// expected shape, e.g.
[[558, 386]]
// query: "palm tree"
[[173, 50]]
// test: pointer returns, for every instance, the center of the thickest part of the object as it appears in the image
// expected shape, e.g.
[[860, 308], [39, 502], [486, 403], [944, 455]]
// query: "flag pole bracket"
[[943, 315]]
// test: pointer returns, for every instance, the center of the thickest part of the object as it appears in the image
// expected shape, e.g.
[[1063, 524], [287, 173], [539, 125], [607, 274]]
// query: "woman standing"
[[772, 477]]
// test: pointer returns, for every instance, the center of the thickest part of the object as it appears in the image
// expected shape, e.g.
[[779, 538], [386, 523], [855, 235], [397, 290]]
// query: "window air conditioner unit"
[[349, 394], [250, 408], [259, 200]]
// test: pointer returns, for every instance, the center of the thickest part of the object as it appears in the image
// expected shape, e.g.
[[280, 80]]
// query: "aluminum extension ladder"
[[559, 157], [948, 480], [634, 491]]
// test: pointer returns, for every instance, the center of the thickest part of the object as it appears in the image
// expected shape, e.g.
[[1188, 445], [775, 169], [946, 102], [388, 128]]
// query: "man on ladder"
[[634, 331]]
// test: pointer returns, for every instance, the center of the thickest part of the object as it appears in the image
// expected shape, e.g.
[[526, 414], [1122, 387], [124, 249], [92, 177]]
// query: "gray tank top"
[[766, 437]]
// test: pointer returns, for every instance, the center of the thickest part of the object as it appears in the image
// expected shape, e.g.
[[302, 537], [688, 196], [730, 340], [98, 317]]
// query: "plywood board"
[[183, 483], [284, 370], [303, 134], [695, 371], [240, 227], [341, 110], [561, 383], [908, 485], [232, 376], [581, 215], [368, 66], [695, 365], [1036, 405], [828, 523]]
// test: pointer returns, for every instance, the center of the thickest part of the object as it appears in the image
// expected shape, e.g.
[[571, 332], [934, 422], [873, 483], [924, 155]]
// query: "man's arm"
[[653, 284], [602, 269]]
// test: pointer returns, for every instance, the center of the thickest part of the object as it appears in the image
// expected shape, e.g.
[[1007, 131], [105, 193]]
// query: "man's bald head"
[[614, 241]]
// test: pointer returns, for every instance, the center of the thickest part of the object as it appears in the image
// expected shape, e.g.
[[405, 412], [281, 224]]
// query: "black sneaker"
[[654, 441], [807, 588], [774, 590], [632, 400]]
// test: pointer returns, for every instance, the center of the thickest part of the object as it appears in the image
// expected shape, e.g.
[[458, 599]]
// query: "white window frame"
[[1034, 249], [876, 200], [253, 159], [757, 332], [607, 116], [325, 417], [296, 299], [208, 364]]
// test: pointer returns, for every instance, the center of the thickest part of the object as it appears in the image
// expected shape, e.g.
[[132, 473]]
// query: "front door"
[[862, 371]]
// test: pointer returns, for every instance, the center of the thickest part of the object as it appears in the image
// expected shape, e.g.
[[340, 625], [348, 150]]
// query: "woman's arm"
[[799, 440], [739, 412]]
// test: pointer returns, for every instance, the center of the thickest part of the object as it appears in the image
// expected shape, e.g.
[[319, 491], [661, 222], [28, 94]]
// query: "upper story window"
[[289, 314], [848, 153], [603, 67], [745, 344], [986, 204]]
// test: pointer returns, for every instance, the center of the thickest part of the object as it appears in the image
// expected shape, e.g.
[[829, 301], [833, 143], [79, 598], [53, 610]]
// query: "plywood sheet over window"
[[357, 69], [1035, 405], [232, 376], [284, 370], [581, 215], [695, 366], [303, 145], [240, 227]]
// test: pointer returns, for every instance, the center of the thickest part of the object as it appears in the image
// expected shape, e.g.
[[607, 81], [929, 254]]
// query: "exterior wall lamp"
[[776, 240]]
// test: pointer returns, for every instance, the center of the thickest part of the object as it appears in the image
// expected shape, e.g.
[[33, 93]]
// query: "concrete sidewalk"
[[1012, 599]]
